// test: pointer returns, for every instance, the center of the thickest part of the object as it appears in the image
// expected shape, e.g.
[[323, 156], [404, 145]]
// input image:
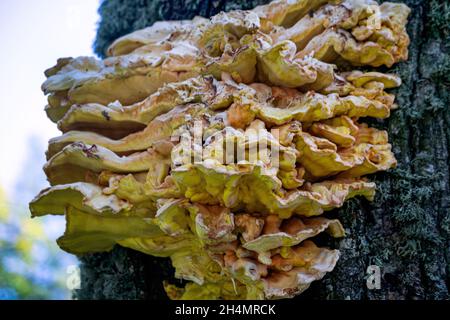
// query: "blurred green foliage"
[[31, 264]]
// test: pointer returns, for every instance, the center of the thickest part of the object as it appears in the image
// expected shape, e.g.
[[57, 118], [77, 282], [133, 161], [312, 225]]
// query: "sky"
[[34, 33]]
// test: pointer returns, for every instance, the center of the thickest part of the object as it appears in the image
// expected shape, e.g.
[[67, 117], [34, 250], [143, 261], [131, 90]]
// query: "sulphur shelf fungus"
[[220, 143]]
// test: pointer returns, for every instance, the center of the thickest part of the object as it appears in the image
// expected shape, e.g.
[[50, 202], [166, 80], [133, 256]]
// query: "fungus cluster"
[[220, 142]]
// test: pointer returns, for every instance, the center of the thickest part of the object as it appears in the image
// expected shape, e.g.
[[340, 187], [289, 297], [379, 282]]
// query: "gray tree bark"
[[405, 231]]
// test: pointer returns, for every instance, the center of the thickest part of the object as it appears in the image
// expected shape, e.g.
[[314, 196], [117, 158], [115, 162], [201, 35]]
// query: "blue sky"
[[34, 33]]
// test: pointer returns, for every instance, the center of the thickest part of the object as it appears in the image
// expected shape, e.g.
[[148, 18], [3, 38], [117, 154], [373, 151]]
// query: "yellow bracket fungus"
[[220, 142]]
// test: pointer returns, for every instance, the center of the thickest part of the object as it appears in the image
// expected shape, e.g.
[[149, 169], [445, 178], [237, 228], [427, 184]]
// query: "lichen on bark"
[[405, 231]]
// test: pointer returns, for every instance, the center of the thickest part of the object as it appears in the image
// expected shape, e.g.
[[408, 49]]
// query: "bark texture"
[[405, 231]]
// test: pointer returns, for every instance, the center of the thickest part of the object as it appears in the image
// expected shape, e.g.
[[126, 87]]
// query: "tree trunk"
[[405, 231]]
